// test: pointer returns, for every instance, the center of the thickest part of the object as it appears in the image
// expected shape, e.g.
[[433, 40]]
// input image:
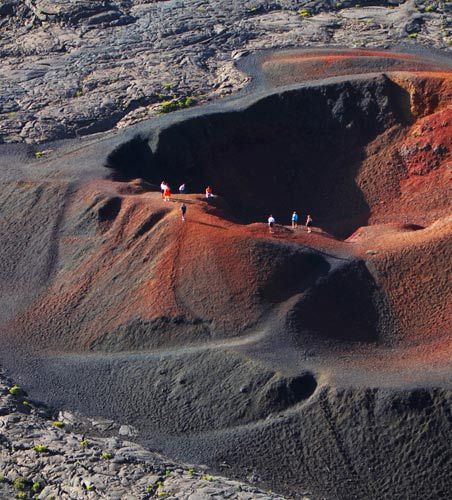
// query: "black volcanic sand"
[[273, 404], [298, 432]]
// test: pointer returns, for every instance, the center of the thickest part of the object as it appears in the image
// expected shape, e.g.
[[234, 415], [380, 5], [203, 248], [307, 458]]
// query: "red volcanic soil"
[[407, 178], [286, 68], [129, 256], [413, 266]]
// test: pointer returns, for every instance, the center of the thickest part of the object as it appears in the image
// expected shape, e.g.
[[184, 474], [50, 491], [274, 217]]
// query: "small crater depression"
[[420, 399], [287, 270], [417, 400], [412, 227], [149, 223], [287, 392], [108, 209]]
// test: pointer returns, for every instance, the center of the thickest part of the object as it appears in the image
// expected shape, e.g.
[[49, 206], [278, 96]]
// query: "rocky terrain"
[[70, 456], [72, 68]]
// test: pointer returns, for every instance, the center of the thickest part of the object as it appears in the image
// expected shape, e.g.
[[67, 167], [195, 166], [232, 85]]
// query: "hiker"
[[183, 210], [182, 188], [308, 223], [209, 192], [163, 186], [294, 220], [271, 223], [167, 193]]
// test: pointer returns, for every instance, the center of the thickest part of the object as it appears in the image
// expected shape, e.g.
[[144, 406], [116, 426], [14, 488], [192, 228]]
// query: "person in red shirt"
[[167, 193], [209, 192]]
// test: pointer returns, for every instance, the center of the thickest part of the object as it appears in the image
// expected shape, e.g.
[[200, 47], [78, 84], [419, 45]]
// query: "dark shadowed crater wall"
[[300, 148]]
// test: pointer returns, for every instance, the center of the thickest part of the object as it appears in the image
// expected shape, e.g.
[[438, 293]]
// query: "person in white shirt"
[[271, 223], [163, 187], [182, 188]]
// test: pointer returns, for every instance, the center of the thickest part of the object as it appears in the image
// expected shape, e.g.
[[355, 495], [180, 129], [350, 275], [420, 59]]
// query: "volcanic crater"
[[291, 354]]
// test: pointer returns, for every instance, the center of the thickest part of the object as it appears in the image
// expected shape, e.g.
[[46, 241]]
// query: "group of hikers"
[[166, 195], [308, 223], [166, 190]]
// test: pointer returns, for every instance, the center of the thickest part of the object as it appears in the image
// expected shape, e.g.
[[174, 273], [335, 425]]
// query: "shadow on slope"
[[345, 305], [268, 273]]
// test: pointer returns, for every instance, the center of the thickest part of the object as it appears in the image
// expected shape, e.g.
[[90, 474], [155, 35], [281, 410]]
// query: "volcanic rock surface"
[[72, 68], [319, 362], [71, 456]]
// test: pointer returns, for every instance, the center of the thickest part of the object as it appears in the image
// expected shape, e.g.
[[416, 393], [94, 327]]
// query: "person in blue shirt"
[[294, 220]]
